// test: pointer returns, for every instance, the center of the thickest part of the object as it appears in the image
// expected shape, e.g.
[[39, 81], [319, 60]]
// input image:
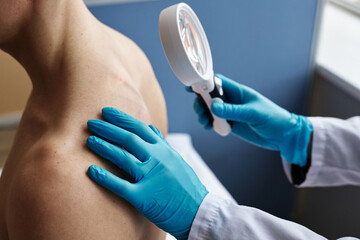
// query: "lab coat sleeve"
[[335, 156], [219, 218]]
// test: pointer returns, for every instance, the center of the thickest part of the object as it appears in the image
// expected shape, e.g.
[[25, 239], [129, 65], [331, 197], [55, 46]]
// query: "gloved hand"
[[166, 190], [259, 121]]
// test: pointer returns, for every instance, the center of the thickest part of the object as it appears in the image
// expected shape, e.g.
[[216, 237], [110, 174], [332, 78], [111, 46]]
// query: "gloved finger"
[[129, 123], [189, 89], [236, 92], [156, 131], [117, 156], [115, 184], [121, 137], [203, 119], [208, 126], [235, 112], [199, 106], [247, 133]]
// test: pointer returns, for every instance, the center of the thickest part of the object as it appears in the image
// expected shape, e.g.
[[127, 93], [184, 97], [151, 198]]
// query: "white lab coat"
[[335, 161]]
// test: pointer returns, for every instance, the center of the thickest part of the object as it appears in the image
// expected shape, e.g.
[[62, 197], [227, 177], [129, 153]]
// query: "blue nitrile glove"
[[260, 121], [165, 188]]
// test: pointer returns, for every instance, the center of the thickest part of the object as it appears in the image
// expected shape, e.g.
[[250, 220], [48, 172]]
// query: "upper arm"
[[58, 202]]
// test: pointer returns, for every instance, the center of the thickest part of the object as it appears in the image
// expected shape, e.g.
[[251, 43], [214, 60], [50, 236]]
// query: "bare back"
[[44, 190]]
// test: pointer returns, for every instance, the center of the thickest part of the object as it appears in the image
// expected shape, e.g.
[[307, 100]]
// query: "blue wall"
[[261, 43]]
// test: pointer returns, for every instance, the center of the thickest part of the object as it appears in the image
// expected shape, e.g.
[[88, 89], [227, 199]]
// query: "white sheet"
[[182, 144]]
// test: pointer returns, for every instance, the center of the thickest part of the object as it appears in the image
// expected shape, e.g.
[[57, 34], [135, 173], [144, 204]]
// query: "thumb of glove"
[[232, 112]]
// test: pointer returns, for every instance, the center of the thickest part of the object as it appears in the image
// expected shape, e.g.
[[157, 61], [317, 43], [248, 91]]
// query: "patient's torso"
[[44, 190]]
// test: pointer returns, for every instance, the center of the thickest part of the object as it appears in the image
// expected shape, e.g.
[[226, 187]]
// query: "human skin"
[[77, 66]]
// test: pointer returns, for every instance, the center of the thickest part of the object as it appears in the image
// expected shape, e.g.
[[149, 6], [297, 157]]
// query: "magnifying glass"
[[188, 52]]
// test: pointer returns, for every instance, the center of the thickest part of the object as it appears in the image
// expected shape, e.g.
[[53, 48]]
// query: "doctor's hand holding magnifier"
[[259, 121]]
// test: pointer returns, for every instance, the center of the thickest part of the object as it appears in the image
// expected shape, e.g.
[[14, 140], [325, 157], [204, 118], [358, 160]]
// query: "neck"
[[72, 63], [51, 46]]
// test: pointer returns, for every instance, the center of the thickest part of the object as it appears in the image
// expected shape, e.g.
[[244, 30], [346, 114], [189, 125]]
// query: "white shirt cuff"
[[207, 214]]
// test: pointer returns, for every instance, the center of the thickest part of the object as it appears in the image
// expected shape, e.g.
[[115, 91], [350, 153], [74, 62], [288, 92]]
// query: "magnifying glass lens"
[[191, 40]]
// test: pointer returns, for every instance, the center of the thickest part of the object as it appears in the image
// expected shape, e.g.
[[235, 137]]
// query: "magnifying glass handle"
[[220, 125]]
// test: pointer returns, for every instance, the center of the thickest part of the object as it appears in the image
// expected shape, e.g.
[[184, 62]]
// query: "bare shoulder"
[[52, 198], [141, 71]]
